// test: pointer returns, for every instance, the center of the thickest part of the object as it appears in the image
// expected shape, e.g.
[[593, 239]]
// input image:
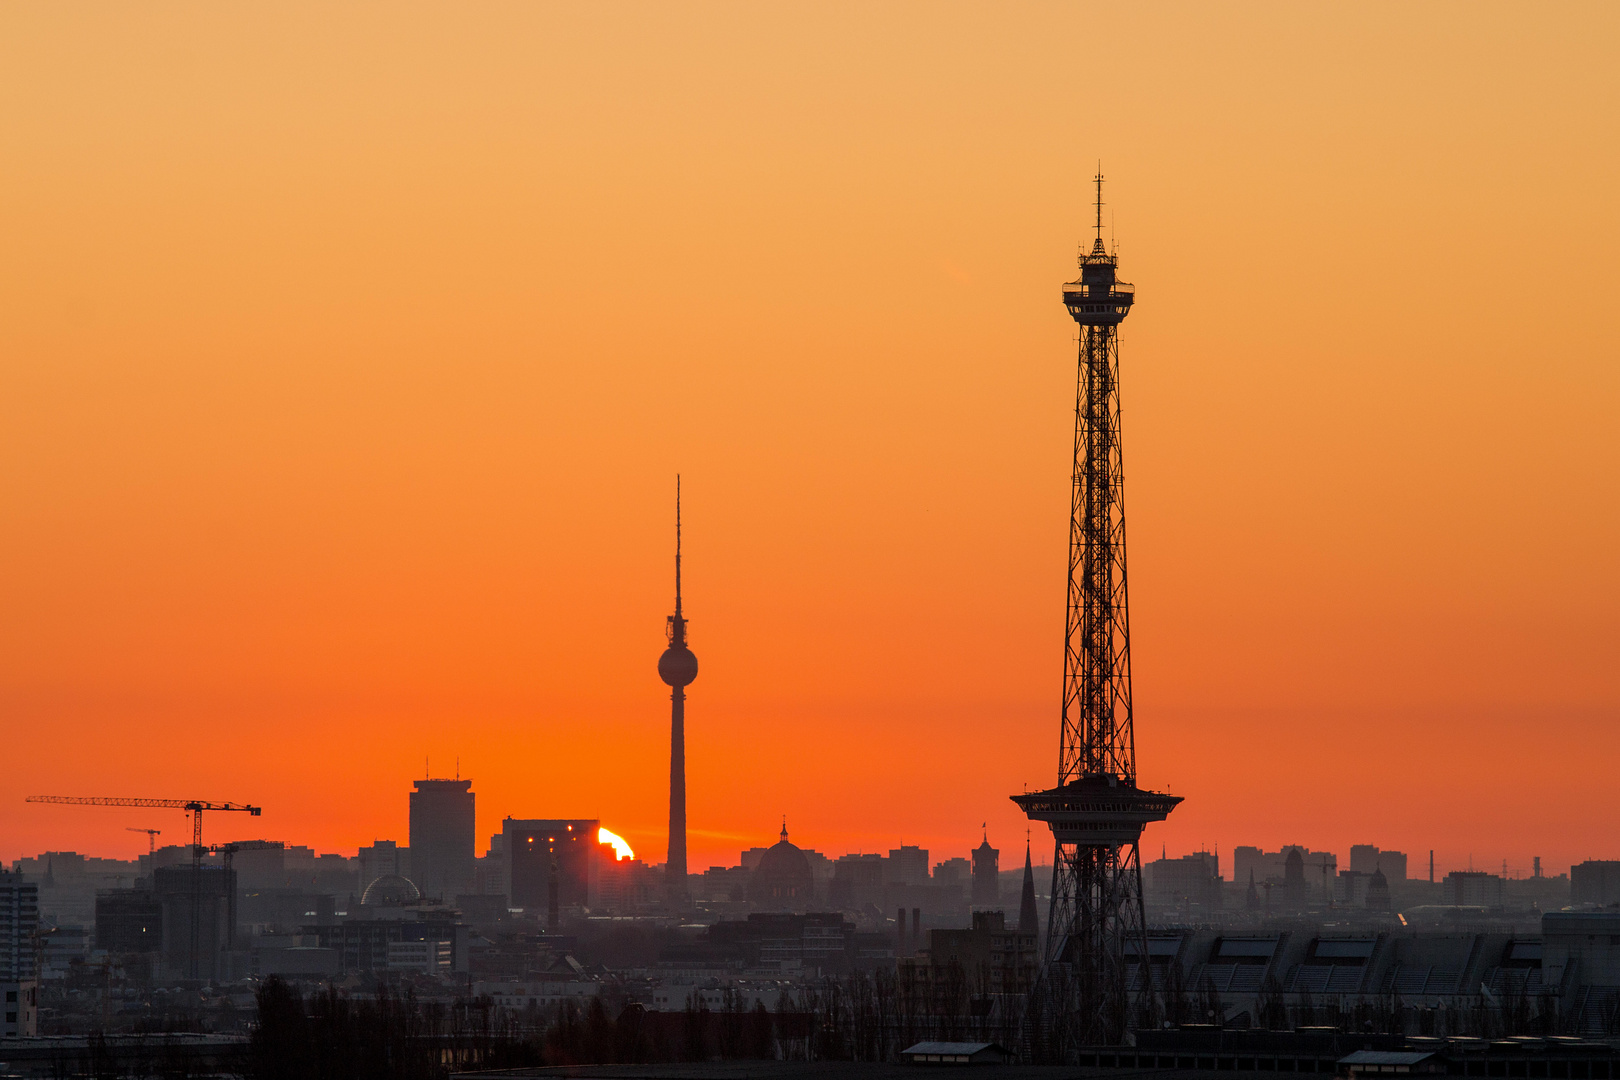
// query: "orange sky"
[[347, 356]]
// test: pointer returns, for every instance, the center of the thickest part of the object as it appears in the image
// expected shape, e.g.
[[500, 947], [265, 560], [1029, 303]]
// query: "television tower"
[[1096, 934], [677, 667]]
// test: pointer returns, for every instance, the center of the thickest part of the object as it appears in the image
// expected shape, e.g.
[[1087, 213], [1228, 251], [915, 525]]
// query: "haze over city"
[[347, 362]]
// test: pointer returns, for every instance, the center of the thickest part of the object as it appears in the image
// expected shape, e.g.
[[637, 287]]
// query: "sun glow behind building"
[[621, 849]]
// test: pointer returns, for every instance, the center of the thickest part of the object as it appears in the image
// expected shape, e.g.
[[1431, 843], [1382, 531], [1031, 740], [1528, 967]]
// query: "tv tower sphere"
[[678, 666]]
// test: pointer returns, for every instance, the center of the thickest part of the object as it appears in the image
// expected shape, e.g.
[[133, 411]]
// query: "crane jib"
[[195, 807]]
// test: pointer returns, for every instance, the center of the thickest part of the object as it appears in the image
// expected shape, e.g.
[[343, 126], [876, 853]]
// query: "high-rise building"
[[1366, 858], [1096, 944], [19, 924], [553, 864], [857, 880], [678, 666], [907, 865], [952, 878], [1473, 888], [443, 838], [1294, 877], [209, 892], [986, 883]]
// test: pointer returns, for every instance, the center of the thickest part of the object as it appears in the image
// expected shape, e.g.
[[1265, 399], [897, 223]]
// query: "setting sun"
[[621, 850]]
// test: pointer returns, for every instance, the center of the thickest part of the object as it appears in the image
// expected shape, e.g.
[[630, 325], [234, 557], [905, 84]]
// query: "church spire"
[[1028, 916]]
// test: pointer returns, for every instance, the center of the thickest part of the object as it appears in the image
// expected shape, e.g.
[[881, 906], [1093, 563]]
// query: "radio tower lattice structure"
[[1095, 978]]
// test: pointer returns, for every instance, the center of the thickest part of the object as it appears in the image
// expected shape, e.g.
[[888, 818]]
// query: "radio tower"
[[1094, 961], [677, 667]]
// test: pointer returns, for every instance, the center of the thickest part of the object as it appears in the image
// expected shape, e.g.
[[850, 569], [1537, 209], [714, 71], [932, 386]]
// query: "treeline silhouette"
[[390, 1034]]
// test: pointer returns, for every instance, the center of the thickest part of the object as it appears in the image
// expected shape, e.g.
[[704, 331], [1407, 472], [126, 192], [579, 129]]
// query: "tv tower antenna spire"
[[1096, 935]]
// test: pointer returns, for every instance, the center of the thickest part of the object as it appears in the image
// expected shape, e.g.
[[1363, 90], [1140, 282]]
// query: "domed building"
[[782, 880], [1378, 891], [391, 890]]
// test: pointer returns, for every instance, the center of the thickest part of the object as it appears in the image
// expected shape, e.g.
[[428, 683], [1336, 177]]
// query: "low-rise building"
[[989, 947], [1595, 882], [541, 993], [778, 943], [1473, 888], [129, 921], [426, 957], [365, 944]]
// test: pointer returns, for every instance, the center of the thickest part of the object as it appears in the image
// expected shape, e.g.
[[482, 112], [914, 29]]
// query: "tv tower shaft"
[[677, 667]]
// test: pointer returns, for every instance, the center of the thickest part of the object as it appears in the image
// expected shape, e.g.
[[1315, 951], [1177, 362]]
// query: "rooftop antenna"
[[458, 766]]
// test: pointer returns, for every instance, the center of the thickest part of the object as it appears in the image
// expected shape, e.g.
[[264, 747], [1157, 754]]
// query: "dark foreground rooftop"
[[817, 1070], [1181, 1055]]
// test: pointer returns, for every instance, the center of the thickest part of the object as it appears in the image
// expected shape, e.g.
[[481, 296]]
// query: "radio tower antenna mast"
[[1099, 179], [1095, 977]]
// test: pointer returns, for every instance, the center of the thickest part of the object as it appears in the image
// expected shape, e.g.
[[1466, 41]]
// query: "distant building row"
[[1295, 877]]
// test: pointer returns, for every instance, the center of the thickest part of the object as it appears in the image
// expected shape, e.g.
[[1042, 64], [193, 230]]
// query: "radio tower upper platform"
[[1098, 297]]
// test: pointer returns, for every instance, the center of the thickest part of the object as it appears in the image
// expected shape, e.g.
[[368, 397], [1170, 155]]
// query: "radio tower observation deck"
[[1094, 982]]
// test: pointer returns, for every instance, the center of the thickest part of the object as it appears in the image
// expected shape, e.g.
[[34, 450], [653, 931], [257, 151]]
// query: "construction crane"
[[227, 850], [1327, 879], [194, 807], [151, 837], [227, 853]]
